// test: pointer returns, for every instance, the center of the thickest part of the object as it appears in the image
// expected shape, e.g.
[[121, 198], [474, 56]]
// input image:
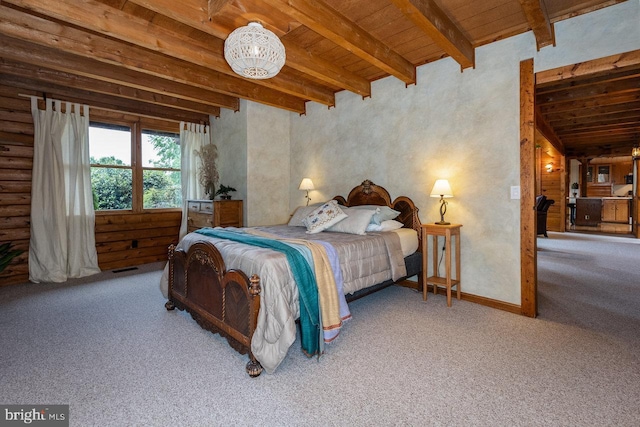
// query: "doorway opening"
[[562, 116]]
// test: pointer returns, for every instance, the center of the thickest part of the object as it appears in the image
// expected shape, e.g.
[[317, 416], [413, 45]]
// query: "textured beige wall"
[[608, 31], [229, 133], [268, 165], [459, 126], [253, 147]]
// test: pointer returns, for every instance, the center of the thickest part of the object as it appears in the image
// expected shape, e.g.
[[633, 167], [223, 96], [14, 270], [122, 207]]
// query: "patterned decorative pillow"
[[324, 217]]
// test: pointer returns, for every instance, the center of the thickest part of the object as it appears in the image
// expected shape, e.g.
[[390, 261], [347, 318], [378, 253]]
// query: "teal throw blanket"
[[310, 330]]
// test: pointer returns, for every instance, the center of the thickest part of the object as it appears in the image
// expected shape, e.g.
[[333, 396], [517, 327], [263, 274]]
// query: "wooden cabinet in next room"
[[615, 210]]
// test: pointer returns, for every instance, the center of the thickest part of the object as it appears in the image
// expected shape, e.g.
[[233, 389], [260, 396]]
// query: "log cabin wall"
[[123, 239], [16, 163], [126, 240], [551, 181]]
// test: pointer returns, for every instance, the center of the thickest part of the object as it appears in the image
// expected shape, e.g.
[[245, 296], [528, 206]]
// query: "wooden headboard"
[[368, 193]]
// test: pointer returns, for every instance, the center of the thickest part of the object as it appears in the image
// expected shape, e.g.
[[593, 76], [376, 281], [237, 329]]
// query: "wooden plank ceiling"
[[165, 57], [595, 113]]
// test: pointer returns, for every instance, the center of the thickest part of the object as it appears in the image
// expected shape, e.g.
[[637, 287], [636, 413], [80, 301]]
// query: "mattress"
[[408, 240]]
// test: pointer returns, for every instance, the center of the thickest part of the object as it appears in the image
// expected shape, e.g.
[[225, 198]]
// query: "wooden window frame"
[[136, 128]]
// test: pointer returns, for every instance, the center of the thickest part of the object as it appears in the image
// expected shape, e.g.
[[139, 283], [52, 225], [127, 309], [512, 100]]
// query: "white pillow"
[[387, 225], [391, 224], [355, 223], [383, 213], [324, 217], [300, 213]]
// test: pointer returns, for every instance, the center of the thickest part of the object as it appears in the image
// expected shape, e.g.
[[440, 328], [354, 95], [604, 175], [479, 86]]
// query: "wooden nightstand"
[[214, 213], [448, 232]]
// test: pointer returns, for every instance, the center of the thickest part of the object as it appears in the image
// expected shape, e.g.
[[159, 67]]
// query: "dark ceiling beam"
[[602, 65], [616, 125], [594, 113], [604, 89], [215, 86], [538, 19], [596, 118], [590, 104], [24, 26], [547, 131], [585, 81], [21, 51], [329, 23], [603, 141], [306, 62], [69, 80], [436, 24], [565, 133], [580, 152], [108, 102], [103, 19]]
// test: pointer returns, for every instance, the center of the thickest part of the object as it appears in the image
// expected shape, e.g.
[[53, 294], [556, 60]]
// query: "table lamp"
[[306, 185], [442, 189]]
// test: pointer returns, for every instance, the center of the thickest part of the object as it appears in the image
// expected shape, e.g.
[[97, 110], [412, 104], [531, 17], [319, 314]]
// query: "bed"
[[222, 282]]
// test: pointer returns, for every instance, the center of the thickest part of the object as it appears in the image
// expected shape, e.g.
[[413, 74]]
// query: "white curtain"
[[192, 138], [62, 241]]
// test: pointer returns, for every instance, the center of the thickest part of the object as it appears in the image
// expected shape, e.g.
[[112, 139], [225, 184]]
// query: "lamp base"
[[443, 210]]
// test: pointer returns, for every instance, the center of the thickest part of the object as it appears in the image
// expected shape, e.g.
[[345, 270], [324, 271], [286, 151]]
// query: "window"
[[119, 182], [599, 174], [111, 171], [604, 173], [161, 170]]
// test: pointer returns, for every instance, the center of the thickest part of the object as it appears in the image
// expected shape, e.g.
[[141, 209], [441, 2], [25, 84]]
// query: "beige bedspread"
[[364, 261]]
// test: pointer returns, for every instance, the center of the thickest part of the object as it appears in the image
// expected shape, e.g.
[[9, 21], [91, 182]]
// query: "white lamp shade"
[[441, 188], [254, 52], [306, 184]]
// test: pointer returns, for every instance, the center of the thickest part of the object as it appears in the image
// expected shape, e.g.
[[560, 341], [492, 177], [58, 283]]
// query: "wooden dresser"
[[214, 213]]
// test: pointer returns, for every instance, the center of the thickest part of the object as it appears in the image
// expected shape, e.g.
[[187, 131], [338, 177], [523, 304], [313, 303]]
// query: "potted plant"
[[6, 255], [224, 191], [208, 172], [574, 186]]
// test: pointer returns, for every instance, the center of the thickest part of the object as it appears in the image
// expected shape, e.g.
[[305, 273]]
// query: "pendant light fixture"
[[254, 52]]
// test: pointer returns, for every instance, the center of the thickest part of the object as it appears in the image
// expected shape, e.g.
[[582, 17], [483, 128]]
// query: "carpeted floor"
[[591, 281], [107, 347]]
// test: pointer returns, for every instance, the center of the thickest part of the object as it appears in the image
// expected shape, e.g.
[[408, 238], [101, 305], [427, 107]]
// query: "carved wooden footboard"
[[227, 302], [221, 301]]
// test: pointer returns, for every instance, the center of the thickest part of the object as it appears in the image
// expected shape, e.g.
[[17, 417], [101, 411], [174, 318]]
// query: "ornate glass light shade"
[[635, 152], [254, 52]]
